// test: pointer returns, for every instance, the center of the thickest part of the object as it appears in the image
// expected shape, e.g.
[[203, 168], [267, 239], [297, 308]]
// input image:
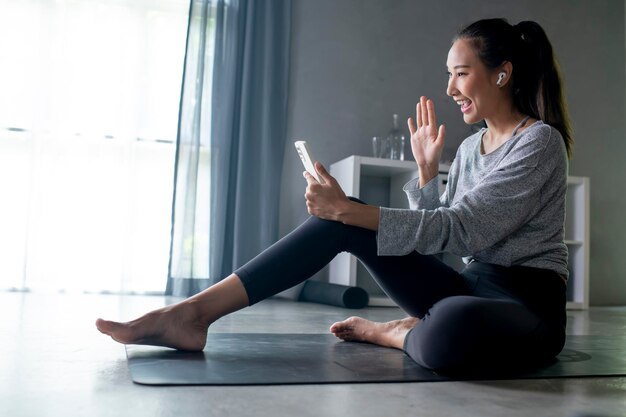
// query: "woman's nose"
[[451, 90]]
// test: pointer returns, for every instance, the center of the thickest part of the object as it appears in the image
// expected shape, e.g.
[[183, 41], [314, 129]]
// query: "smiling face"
[[471, 84]]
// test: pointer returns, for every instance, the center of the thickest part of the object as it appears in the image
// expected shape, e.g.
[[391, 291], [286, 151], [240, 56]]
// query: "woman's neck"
[[501, 127]]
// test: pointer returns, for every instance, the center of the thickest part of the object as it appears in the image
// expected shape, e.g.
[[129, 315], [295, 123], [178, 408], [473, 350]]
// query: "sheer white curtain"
[[89, 97]]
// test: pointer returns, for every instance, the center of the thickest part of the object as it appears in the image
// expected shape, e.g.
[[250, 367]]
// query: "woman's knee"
[[333, 234], [465, 332], [448, 336]]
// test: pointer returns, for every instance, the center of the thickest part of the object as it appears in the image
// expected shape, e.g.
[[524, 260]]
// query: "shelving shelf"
[[379, 181]]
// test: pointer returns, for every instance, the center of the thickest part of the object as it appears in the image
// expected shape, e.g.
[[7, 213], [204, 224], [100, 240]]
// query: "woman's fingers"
[[425, 116], [428, 112], [412, 127], [418, 114], [442, 133], [432, 120], [424, 110], [325, 176], [320, 169], [326, 198], [309, 178]]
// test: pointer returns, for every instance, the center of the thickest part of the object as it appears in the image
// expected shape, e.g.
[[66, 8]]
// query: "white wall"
[[356, 62]]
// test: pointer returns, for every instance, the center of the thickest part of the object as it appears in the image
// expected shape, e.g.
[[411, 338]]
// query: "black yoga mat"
[[263, 359]]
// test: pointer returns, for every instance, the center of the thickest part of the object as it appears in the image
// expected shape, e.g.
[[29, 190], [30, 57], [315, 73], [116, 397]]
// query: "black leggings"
[[485, 315]]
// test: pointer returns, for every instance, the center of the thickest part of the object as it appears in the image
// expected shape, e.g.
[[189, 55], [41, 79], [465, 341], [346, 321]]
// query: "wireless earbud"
[[501, 77]]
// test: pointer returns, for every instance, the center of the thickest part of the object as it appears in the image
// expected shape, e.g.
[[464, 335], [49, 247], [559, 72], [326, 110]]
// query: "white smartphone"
[[307, 159]]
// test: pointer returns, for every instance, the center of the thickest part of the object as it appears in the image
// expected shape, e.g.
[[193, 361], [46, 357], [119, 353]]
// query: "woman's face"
[[471, 84]]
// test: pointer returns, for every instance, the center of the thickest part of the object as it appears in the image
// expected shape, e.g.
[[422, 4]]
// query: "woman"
[[503, 209]]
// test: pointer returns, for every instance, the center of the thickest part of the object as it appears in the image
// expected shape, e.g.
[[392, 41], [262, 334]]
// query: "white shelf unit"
[[577, 239], [379, 182]]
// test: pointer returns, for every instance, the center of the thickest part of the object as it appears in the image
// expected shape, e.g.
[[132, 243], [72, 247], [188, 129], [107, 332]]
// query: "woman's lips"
[[465, 107]]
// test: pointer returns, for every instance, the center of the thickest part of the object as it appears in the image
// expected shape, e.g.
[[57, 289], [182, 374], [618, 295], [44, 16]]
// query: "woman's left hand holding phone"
[[326, 201]]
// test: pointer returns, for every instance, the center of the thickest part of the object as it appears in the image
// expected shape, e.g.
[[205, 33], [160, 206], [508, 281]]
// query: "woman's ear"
[[503, 74]]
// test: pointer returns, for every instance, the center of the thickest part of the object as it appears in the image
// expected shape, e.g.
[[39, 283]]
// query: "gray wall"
[[356, 62]]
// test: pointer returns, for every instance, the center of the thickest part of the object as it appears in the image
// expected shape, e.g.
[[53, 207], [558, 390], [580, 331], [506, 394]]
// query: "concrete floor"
[[53, 362]]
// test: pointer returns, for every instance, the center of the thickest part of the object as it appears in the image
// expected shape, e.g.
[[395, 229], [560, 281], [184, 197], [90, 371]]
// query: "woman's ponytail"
[[540, 90]]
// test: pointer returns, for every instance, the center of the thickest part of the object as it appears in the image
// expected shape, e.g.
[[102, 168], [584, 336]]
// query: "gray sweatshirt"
[[506, 207]]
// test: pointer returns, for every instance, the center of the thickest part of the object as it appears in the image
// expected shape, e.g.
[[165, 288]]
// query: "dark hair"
[[536, 80]]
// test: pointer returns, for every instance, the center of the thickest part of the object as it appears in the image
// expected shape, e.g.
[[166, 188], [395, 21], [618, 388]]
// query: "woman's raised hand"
[[426, 140]]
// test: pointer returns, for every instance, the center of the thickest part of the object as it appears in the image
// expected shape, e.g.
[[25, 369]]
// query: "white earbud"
[[501, 77]]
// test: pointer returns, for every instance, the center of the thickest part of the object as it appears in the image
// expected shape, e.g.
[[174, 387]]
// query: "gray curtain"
[[229, 158]]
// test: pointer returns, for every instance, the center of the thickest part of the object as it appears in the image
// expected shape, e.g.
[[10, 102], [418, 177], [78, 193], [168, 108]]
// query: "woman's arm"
[[499, 205], [361, 215], [328, 201]]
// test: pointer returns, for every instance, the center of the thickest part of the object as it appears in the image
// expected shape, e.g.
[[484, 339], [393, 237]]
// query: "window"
[[88, 117]]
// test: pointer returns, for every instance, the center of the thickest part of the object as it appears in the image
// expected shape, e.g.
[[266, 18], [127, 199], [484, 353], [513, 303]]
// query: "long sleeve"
[[426, 197], [518, 203]]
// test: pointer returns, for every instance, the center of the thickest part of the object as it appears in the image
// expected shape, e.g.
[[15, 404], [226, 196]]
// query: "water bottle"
[[396, 140]]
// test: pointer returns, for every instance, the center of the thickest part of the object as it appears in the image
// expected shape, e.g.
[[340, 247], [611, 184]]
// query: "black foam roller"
[[334, 294]]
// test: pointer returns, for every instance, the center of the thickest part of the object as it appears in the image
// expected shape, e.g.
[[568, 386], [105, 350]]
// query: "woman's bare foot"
[[178, 326], [390, 334], [184, 325]]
